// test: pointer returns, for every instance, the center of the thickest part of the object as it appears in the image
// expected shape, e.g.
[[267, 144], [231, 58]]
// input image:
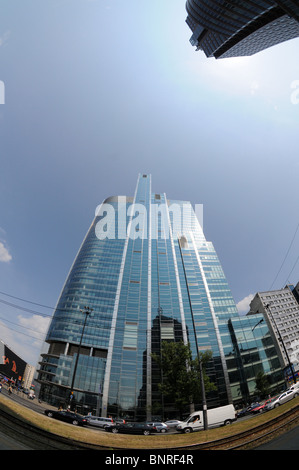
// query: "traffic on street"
[[150, 428]]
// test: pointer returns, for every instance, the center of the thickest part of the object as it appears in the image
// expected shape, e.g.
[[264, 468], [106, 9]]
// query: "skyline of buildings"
[[243, 343], [238, 28], [149, 275]]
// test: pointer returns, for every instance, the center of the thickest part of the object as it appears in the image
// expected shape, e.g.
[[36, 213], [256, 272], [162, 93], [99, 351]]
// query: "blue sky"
[[97, 91]]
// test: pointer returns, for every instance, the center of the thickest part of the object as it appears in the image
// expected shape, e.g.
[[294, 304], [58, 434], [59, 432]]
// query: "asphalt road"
[[9, 443], [287, 441], [23, 400]]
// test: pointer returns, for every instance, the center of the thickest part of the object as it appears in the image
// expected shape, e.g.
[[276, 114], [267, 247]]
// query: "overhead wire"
[[292, 270], [290, 246], [20, 332], [25, 309], [105, 323], [27, 301]]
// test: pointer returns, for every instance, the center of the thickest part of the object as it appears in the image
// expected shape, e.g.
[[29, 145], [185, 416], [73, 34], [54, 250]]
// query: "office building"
[[295, 290], [281, 310], [237, 28], [249, 351], [147, 274], [28, 380]]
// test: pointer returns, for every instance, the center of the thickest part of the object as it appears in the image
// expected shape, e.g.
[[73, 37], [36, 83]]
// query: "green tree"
[[180, 383], [262, 386]]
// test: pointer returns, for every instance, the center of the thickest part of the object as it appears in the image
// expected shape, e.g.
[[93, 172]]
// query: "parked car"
[[173, 423], [283, 398], [67, 416], [247, 410], [131, 428], [295, 386], [255, 407], [261, 408], [159, 426], [99, 421], [268, 406], [118, 421], [242, 412]]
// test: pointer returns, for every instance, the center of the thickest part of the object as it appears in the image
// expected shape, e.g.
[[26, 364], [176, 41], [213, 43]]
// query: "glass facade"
[[234, 28], [149, 275], [249, 350]]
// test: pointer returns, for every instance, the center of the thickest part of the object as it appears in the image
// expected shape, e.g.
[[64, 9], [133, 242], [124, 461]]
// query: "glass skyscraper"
[[149, 275], [233, 28]]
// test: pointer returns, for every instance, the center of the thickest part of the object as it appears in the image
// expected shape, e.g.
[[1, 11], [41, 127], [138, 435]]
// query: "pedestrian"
[[0, 388]]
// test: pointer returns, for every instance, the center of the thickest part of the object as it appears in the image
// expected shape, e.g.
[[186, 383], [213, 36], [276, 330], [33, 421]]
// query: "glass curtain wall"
[[149, 275]]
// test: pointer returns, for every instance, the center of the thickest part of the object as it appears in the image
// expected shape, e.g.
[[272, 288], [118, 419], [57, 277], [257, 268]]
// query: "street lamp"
[[267, 306], [86, 311], [261, 321]]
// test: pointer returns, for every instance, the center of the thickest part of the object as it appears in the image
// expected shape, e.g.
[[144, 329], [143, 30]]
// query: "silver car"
[[99, 421], [158, 426], [173, 423], [283, 398]]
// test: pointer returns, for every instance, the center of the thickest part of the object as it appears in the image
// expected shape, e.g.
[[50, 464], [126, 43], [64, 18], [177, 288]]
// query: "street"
[[23, 400], [9, 443], [287, 441]]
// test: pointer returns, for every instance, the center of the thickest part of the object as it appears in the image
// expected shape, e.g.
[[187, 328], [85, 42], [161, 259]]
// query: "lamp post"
[[86, 311], [267, 306], [261, 321]]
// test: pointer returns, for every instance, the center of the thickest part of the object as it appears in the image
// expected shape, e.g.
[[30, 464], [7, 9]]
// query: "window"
[[99, 353], [167, 330], [130, 335]]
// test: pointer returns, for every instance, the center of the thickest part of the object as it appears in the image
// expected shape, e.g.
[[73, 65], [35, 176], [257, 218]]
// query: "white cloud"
[[243, 305], [36, 323], [5, 256]]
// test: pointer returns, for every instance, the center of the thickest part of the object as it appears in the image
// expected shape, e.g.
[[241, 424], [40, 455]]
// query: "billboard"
[[11, 365]]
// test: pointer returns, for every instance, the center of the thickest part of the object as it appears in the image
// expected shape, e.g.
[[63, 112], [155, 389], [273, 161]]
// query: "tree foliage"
[[262, 385], [180, 374]]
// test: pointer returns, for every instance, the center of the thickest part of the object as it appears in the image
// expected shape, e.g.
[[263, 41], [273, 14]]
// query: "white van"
[[220, 416]]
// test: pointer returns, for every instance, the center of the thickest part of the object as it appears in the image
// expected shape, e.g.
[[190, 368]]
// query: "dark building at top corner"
[[235, 28]]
